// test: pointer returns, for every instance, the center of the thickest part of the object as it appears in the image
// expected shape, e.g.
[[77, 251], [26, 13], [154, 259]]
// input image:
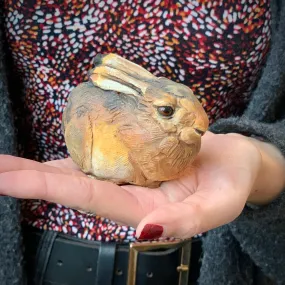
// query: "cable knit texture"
[[10, 231], [251, 249]]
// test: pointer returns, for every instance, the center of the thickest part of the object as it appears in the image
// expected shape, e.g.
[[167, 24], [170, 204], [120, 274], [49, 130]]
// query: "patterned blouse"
[[217, 48]]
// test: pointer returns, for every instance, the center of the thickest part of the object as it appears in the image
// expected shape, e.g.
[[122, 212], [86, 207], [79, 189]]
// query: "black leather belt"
[[58, 259]]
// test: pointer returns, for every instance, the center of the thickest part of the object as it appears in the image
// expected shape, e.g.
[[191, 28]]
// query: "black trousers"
[[53, 258]]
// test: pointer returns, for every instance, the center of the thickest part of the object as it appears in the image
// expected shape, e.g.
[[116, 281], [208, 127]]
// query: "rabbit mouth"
[[199, 131], [191, 136]]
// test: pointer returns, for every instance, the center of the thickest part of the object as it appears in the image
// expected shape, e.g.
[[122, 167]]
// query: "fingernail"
[[151, 232]]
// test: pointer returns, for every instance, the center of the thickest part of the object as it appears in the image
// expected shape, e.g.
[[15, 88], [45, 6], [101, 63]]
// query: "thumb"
[[188, 218], [179, 220]]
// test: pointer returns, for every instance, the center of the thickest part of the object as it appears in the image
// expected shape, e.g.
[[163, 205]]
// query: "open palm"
[[211, 193]]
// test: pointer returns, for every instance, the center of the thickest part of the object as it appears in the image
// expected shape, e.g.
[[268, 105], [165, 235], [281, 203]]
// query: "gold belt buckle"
[[183, 268]]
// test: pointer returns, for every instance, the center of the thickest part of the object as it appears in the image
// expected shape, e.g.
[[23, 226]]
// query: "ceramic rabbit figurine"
[[128, 126]]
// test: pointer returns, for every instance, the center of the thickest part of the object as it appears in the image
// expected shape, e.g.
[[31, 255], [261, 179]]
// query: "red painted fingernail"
[[151, 232]]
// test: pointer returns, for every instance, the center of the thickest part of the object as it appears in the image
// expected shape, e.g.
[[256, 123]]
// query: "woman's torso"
[[217, 48]]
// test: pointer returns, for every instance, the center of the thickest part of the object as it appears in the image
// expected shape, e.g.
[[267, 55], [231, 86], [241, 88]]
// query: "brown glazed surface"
[[130, 127]]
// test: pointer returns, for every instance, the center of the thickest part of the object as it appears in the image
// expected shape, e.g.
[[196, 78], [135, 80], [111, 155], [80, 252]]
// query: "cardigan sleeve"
[[11, 260], [259, 232], [7, 131]]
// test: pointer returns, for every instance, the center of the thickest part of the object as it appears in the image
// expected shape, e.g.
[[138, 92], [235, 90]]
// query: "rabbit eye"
[[165, 111]]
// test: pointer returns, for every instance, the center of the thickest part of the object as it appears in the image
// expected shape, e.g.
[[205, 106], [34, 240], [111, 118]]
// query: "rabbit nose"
[[188, 135], [201, 123]]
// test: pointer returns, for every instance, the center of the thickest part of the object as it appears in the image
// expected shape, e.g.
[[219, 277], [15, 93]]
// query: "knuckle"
[[195, 219], [87, 193], [186, 219]]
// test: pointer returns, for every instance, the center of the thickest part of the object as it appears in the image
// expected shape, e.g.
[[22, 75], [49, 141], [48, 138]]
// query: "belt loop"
[[106, 262], [43, 255]]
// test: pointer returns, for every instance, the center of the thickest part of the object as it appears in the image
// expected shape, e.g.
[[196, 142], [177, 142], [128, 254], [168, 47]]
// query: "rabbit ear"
[[118, 74], [106, 83], [117, 62], [112, 79]]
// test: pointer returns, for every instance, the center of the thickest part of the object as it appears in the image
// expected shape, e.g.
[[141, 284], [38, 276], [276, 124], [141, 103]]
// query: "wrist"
[[270, 180]]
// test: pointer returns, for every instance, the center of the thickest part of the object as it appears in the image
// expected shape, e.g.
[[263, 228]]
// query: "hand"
[[212, 193]]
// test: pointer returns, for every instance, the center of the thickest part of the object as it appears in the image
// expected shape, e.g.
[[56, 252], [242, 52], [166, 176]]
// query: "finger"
[[66, 163], [196, 214], [13, 163], [81, 193]]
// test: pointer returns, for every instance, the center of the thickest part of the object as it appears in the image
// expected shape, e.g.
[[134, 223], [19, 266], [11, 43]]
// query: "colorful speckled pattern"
[[215, 47]]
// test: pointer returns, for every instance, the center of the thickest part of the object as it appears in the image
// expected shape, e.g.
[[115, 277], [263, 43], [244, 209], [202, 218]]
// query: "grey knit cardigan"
[[249, 250]]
